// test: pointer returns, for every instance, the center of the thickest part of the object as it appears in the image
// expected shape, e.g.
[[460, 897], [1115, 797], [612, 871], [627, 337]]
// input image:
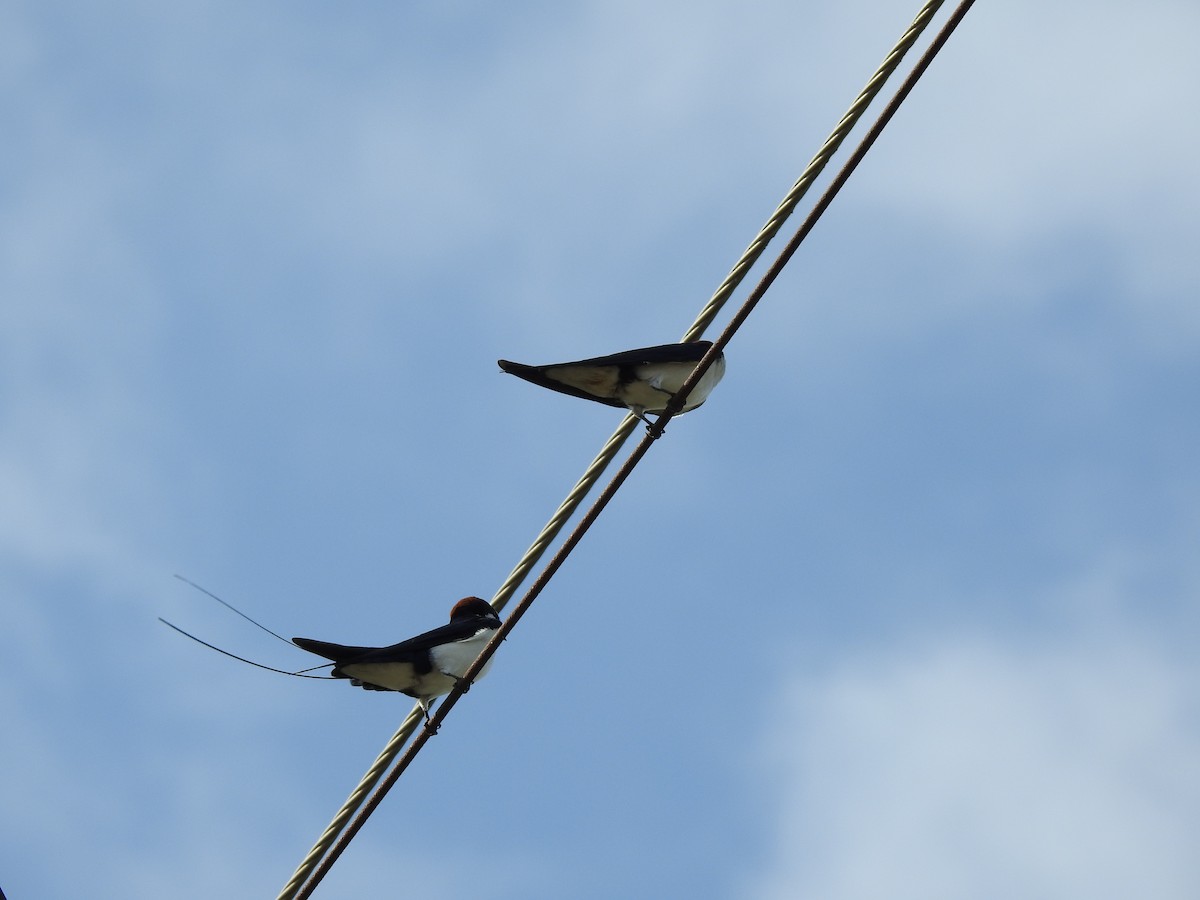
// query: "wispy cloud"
[[959, 766]]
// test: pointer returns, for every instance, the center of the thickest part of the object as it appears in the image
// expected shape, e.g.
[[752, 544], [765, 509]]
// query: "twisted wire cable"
[[319, 859], [652, 434], [811, 171]]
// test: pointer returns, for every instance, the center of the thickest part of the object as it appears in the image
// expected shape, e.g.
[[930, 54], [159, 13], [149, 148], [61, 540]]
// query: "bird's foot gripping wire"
[[426, 705], [459, 681], [640, 413]]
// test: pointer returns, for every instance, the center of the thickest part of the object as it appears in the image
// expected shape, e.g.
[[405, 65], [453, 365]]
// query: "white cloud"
[[1092, 138], [969, 768]]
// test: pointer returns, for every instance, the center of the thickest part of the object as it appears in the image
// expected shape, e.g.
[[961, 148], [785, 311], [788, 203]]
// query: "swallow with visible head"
[[423, 667], [643, 381]]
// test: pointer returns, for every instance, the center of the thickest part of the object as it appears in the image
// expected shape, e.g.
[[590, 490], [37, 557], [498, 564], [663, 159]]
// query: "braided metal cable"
[[353, 802], [653, 433], [564, 511], [810, 173], [319, 855]]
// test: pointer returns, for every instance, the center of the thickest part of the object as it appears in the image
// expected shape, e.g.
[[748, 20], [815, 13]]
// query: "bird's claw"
[[459, 682]]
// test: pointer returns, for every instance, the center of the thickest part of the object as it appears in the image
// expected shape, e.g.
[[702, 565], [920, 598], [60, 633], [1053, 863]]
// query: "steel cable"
[[325, 852]]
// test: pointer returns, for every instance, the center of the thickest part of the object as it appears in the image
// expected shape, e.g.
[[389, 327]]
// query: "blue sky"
[[908, 609]]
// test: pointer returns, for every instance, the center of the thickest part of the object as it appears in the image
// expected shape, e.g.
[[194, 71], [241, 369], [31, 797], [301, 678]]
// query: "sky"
[[908, 609]]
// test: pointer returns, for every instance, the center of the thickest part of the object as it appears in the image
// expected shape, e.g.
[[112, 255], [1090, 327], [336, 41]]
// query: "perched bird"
[[423, 667], [642, 380], [426, 666]]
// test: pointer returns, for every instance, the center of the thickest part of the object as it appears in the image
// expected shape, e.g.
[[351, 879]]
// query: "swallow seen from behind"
[[423, 667], [641, 380]]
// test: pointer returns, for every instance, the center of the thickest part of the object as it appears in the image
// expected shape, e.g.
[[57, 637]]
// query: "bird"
[[422, 667], [642, 380]]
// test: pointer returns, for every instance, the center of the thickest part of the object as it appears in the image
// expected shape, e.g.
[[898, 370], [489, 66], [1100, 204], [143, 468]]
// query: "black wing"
[[662, 353], [405, 651], [335, 652]]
